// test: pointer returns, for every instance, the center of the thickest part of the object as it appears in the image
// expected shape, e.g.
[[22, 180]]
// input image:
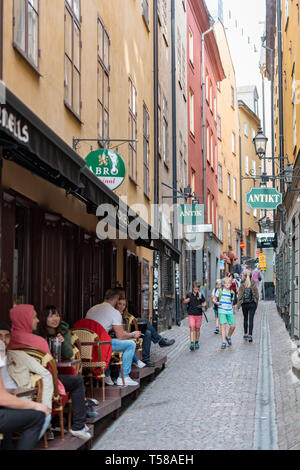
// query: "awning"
[[32, 144]]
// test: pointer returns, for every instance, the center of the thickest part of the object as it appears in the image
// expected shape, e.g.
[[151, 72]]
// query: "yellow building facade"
[[228, 152], [81, 70]]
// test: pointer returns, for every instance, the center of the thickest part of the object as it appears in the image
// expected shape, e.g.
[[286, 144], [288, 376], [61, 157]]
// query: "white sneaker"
[[108, 380], [119, 382], [140, 364], [83, 434], [130, 382]]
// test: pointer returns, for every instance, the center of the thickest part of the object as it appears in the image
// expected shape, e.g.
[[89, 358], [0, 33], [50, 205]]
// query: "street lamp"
[[288, 174], [260, 143]]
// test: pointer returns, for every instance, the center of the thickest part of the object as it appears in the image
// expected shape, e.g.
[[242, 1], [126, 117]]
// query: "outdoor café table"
[[22, 392]]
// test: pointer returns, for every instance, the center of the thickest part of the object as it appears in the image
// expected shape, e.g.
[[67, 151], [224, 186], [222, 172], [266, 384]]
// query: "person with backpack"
[[225, 310], [248, 297], [195, 301], [214, 297]]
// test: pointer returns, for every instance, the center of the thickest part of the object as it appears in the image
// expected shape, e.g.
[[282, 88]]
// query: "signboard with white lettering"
[[264, 198], [191, 214], [108, 166], [266, 240], [13, 125]]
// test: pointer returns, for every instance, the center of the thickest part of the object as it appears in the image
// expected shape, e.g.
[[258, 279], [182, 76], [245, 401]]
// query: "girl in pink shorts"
[[195, 301]]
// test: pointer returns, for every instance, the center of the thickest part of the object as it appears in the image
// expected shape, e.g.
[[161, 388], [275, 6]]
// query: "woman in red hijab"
[[24, 320]]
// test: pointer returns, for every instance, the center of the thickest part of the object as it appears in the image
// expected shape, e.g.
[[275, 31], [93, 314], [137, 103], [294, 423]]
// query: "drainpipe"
[[280, 88], [241, 193], [174, 145], [156, 163]]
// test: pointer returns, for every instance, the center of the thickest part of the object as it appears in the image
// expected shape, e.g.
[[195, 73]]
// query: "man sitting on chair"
[[110, 318]]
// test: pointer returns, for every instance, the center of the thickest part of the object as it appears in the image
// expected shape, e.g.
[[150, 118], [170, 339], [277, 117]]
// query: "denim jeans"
[[27, 422], [128, 347], [150, 335]]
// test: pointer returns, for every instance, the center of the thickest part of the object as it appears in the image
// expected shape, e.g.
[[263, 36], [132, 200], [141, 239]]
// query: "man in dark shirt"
[[195, 301]]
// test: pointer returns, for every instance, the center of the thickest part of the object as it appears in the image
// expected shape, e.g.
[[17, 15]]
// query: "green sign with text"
[[191, 214], [264, 198]]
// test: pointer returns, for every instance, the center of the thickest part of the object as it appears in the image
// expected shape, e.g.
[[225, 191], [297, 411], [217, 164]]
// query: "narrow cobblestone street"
[[207, 400]]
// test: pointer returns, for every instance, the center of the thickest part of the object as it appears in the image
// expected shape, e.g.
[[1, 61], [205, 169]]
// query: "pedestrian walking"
[[214, 297], [195, 301], [225, 311], [248, 297], [235, 288]]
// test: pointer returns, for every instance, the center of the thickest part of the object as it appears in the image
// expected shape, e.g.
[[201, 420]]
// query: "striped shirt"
[[226, 303]]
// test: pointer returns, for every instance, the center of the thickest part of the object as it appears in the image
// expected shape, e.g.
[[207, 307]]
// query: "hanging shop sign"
[[108, 166], [207, 228], [191, 214], [264, 198], [266, 240], [262, 261]]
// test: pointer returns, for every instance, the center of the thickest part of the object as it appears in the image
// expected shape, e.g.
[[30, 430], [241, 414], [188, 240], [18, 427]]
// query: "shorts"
[[195, 322], [226, 318]]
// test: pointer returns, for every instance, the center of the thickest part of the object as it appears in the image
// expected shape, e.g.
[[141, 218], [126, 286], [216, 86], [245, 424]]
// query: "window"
[[221, 228], [208, 144], [132, 132], [208, 208], [183, 71], [215, 109], [287, 10], [228, 184], [193, 177], [191, 46], [72, 56], [103, 80], [234, 187], [233, 143], [212, 148], [165, 135], [146, 149], [145, 6], [219, 129], [179, 61], [253, 134], [220, 177], [248, 208], [192, 113], [210, 96], [246, 129], [207, 88], [254, 167], [26, 29], [232, 97]]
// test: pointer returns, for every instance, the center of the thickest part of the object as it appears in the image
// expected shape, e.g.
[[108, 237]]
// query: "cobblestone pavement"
[[206, 400]]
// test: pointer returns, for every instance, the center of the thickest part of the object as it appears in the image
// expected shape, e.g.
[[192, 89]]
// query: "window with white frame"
[[228, 184], [165, 132], [208, 144], [246, 164], [146, 149], [229, 234], [215, 109], [219, 127], [191, 46], [212, 148], [26, 28], [246, 129], [232, 97], [72, 81], [207, 88], [220, 177], [254, 167], [234, 188], [103, 80], [132, 131], [221, 228], [192, 113]]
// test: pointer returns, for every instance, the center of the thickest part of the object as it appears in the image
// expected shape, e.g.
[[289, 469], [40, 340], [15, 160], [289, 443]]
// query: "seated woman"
[[24, 320], [122, 307]]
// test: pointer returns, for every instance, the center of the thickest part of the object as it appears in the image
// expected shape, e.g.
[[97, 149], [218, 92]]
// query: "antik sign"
[[191, 214], [264, 198], [108, 166]]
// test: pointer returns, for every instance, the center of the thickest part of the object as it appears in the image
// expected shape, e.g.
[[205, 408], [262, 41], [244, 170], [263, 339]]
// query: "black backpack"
[[248, 297]]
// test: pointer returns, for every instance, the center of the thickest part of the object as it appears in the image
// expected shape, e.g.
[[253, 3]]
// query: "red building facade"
[[198, 23]]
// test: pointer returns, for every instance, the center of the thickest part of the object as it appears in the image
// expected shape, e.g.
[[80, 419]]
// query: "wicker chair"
[[87, 338], [58, 402], [76, 346], [117, 360], [131, 324]]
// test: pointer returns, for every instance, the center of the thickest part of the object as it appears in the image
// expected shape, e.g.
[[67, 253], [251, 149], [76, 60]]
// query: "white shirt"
[[8, 382], [106, 315]]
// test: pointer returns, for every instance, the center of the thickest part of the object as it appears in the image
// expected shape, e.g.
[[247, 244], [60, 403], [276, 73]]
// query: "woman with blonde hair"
[[248, 298]]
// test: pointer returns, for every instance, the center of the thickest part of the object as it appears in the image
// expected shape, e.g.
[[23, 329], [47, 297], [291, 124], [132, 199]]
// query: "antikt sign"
[[264, 198], [108, 166]]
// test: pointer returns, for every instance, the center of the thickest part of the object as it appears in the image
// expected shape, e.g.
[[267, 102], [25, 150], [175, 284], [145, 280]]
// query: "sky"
[[243, 29]]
